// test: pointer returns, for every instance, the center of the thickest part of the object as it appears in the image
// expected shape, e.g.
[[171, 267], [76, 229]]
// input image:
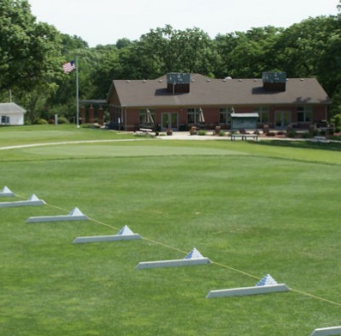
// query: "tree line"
[[32, 54]]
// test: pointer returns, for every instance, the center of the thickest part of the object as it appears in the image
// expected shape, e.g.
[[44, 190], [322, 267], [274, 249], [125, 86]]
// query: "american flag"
[[69, 66]]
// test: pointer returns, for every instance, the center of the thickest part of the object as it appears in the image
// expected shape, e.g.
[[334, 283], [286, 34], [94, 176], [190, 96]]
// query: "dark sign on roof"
[[274, 77], [178, 78]]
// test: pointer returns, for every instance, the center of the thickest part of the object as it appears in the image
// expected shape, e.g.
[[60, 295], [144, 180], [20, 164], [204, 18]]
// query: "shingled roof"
[[219, 92], [10, 108]]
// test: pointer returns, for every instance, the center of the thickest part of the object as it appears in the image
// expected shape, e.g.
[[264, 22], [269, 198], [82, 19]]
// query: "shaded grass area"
[[330, 146], [11, 136], [250, 209]]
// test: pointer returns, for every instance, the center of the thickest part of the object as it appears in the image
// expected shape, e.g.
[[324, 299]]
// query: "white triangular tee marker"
[[125, 231], [5, 190], [76, 212], [194, 254], [34, 198], [268, 280]]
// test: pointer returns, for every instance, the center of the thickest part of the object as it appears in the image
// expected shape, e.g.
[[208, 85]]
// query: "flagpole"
[[77, 94]]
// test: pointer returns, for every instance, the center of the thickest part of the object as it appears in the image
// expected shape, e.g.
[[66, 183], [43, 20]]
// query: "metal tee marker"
[[32, 201], [5, 192], [124, 234], [194, 257], [264, 286], [74, 215]]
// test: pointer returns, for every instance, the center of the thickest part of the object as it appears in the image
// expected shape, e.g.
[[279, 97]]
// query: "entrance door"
[[283, 119], [169, 120]]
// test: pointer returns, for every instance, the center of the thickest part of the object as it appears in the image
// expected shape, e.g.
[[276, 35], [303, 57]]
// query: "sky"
[[106, 21]]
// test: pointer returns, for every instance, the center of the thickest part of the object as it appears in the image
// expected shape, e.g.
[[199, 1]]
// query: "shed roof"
[[209, 92], [11, 108]]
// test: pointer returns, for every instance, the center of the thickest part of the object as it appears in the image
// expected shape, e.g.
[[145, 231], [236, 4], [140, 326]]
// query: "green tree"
[[300, 47], [105, 70], [248, 54], [29, 51], [165, 50]]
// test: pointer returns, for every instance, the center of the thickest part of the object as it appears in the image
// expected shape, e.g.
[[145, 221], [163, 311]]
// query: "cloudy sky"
[[106, 21]]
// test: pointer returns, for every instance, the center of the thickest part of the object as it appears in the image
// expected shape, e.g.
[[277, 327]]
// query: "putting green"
[[124, 151]]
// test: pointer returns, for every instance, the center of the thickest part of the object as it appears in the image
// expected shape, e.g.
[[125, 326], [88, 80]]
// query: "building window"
[[4, 120], [263, 114], [304, 114], [193, 115], [225, 115], [143, 116]]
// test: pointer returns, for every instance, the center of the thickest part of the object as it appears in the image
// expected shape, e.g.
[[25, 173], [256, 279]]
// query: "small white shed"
[[11, 114]]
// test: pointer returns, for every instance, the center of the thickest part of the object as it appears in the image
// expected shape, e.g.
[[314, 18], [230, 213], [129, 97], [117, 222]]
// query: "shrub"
[[306, 135], [183, 127], [41, 122], [291, 134], [63, 120], [335, 137], [222, 133], [336, 120], [86, 125], [201, 132], [322, 132]]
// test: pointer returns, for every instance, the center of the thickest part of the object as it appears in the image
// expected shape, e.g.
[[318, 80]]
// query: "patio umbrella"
[[149, 119], [201, 117]]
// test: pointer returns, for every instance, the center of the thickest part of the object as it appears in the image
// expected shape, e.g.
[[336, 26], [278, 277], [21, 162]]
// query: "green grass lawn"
[[253, 208]]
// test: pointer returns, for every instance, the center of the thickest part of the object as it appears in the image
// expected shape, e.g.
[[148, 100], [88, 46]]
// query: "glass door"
[[169, 120], [283, 119]]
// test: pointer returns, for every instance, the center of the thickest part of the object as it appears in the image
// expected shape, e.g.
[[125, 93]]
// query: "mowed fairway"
[[252, 208]]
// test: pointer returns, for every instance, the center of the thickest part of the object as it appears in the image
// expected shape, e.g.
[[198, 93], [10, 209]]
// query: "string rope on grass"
[[312, 296]]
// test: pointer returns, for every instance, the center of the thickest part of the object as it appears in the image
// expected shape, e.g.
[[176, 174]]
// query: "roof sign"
[[274, 77], [178, 78]]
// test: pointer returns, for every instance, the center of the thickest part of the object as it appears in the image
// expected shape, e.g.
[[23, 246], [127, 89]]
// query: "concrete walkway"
[[187, 136]]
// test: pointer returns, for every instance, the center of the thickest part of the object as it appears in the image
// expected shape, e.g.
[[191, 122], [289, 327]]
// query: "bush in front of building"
[[41, 122], [292, 134], [183, 128], [62, 120], [201, 132], [336, 119], [306, 135], [335, 137], [86, 125]]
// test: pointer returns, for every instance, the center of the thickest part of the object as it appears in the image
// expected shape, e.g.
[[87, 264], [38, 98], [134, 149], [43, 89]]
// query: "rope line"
[[237, 270], [316, 297], [312, 296]]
